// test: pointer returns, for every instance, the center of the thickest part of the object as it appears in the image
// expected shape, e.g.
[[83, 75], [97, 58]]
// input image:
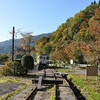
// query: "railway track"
[[49, 82], [30, 96]]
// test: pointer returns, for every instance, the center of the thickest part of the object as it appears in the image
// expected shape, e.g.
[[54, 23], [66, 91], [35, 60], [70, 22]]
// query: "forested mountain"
[[78, 38], [6, 46]]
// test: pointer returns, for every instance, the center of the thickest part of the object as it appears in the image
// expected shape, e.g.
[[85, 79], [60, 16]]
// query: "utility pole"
[[13, 43], [13, 32]]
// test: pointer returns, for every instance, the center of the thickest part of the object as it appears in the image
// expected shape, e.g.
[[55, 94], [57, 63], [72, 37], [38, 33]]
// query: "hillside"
[[6, 46], [75, 38]]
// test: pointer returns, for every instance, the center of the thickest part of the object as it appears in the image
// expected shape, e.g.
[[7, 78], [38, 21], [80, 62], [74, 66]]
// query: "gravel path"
[[8, 88], [66, 93], [45, 92]]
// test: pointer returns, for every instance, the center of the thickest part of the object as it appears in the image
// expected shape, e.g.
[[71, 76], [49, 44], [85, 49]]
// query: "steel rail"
[[30, 96], [56, 87]]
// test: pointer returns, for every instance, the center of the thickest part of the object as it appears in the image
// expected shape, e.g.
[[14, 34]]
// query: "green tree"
[[90, 10], [91, 3], [58, 36], [94, 2], [46, 49]]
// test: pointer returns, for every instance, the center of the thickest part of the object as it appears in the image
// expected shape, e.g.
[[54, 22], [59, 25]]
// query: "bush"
[[7, 69], [19, 69], [3, 58], [27, 62], [10, 66]]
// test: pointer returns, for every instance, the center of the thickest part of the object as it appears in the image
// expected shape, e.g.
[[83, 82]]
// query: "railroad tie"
[[40, 82]]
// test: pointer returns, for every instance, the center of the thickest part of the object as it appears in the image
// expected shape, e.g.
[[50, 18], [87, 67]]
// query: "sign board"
[[92, 71], [71, 61]]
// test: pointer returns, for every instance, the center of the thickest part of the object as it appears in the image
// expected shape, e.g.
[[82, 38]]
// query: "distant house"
[[18, 57]]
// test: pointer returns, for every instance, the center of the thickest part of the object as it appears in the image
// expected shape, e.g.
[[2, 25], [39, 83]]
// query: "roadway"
[[1, 66]]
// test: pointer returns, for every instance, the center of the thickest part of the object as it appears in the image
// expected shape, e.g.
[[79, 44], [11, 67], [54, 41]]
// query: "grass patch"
[[52, 97], [80, 68], [89, 88], [12, 79], [52, 94], [65, 70]]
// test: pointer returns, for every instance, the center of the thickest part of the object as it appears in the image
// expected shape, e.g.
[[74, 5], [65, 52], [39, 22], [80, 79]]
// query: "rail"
[[40, 81]]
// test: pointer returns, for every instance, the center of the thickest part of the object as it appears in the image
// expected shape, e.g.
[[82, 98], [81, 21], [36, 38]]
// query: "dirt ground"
[[8, 87]]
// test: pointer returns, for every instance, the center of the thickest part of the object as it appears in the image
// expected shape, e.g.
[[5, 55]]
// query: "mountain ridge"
[[5, 46], [82, 30]]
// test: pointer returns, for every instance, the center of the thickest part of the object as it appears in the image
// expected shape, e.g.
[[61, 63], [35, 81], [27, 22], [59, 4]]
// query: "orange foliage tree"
[[90, 52], [73, 51]]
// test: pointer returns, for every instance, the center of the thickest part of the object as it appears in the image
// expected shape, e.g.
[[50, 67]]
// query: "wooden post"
[[13, 43], [86, 72], [98, 73]]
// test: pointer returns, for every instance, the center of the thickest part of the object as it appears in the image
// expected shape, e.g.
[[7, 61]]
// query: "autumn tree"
[[46, 49], [41, 47], [26, 42], [91, 55], [73, 52], [53, 57]]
